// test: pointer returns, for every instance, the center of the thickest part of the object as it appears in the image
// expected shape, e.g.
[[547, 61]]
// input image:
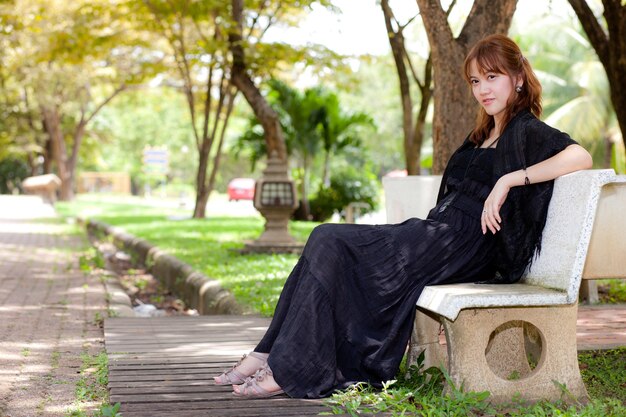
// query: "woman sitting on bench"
[[347, 309]]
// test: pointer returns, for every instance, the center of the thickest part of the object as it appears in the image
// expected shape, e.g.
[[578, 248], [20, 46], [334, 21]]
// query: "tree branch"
[[598, 38]]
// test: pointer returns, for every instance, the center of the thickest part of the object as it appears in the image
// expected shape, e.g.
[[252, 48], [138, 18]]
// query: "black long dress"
[[346, 311]]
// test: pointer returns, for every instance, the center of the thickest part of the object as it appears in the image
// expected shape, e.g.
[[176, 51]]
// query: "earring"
[[518, 89]]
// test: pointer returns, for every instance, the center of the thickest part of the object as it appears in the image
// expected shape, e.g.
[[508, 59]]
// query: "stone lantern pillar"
[[275, 198]]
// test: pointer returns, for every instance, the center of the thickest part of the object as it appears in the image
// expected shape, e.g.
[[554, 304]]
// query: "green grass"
[[420, 394], [612, 291], [604, 373], [209, 245], [91, 388]]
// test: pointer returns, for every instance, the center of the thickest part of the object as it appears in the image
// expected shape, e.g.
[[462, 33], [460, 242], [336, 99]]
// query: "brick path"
[[48, 307], [47, 311]]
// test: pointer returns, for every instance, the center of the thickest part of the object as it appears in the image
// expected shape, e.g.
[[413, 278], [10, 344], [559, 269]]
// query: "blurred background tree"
[[316, 132], [64, 62], [86, 86]]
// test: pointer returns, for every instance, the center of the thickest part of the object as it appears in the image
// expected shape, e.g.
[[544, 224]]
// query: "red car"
[[241, 189]]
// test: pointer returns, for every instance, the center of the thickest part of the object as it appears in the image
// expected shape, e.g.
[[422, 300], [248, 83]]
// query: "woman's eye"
[[474, 81], [491, 76]]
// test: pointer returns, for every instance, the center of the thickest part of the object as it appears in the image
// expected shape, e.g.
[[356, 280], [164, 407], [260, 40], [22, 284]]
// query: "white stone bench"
[[605, 258], [514, 338], [45, 186]]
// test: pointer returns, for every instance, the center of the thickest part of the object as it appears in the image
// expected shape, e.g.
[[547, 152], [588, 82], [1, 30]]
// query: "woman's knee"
[[324, 234]]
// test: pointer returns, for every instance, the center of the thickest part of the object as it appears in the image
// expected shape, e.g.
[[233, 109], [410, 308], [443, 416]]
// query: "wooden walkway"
[[164, 367]]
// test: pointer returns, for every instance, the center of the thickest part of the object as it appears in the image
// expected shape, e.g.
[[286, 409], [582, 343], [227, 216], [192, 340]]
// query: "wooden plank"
[[171, 359], [168, 372], [172, 365], [231, 402], [237, 412], [164, 389], [183, 377], [140, 385], [165, 366]]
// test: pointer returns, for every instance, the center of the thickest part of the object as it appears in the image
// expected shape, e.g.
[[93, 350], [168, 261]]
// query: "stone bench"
[[517, 338], [605, 258], [45, 186]]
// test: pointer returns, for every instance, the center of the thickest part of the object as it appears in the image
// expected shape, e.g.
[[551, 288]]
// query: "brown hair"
[[500, 54]]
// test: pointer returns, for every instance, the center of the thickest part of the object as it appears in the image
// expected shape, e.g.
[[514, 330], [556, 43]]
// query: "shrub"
[[346, 186], [12, 173]]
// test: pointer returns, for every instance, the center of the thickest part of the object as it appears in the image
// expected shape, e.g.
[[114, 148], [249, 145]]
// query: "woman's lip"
[[488, 100]]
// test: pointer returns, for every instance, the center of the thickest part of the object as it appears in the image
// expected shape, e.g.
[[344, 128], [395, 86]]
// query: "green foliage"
[[110, 410], [92, 387], [415, 392], [604, 373], [576, 91], [418, 392], [346, 186], [94, 378], [89, 260], [376, 92], [612, 291], [98, 320], [12, 173], [137, 119], [316, 131]]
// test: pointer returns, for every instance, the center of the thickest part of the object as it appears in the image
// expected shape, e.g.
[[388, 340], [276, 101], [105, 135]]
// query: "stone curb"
[[197, 290], [119, 302]]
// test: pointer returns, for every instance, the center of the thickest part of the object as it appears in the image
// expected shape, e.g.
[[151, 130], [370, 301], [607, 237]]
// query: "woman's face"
[[491, 89]]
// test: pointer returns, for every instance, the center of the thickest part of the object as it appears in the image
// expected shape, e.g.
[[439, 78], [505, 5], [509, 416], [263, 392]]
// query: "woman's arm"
[[570, 159]]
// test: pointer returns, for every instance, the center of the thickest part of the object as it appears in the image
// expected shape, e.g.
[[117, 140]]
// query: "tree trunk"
[[415, 152], [202, 194], [611, 49], [608, 151], [396, 41], [48, 154], [52, 124], [455, 108], [204, 154], [326, 173], [218, 155], [262, 110], [66, 165], [306, 186], [204, 186]]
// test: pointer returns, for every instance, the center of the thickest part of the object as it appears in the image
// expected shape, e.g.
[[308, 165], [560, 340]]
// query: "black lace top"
[[524, 142], [468, 183]]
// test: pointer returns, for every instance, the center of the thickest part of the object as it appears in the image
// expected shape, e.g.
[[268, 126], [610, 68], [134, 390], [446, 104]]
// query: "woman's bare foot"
[[246, 367]]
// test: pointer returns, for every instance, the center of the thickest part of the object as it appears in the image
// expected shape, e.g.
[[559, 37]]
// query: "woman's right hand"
[[490, 218]]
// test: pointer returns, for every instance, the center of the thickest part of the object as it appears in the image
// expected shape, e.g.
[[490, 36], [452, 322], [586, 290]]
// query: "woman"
[[346, 311]]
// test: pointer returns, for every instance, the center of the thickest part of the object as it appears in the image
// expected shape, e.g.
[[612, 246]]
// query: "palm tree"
[[311, 120], [576, 89], [339, 130]]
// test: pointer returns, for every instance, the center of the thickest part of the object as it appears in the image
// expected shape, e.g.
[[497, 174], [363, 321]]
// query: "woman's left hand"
[[570, 159], [490, 218]]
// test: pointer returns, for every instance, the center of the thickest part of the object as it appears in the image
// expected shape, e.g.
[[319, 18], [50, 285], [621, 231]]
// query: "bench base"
[[528, 352]]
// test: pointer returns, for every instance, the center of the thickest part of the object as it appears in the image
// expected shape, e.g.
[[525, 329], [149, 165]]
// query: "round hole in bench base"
[[515, 350]]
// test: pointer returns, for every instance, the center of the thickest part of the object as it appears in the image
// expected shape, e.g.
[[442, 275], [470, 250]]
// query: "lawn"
[[209, 245]]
